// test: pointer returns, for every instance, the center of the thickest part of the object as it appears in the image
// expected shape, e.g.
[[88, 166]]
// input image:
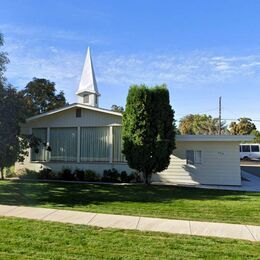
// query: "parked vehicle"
[[249, 151]]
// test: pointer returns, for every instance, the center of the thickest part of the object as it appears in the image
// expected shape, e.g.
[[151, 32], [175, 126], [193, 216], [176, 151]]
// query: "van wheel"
[[246, 158]]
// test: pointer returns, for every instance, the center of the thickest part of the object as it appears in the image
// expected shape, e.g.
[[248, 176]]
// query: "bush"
[[67, 175], [136, 177], [91, 176], [29, 174], [9, 172], [79, 175], [124, 176], [46, 173], [111, 175]]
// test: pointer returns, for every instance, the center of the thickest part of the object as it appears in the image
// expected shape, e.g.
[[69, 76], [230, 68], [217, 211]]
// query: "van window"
[[246, 148], [255, 148], [240, 148]]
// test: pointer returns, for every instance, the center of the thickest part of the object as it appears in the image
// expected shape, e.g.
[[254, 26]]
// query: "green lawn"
[[26, 239], [154, 201]]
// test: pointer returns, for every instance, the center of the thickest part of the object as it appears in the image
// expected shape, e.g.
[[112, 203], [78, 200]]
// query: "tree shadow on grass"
[[79, 195]]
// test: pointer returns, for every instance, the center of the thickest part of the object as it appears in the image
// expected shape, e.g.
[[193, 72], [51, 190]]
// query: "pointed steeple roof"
[[88, 84]]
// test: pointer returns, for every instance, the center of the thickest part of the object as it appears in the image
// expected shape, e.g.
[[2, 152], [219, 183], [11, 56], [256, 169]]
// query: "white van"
[[249, 151]]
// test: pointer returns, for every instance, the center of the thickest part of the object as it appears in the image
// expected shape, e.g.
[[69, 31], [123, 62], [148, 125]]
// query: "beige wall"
[[220, 164], [220, 160], [68, 118]]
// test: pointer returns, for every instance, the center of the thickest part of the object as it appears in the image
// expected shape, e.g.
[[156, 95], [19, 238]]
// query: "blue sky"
[[200, 49]]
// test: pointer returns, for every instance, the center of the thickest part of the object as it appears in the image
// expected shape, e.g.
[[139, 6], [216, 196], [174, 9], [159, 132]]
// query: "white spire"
[[88, 92]]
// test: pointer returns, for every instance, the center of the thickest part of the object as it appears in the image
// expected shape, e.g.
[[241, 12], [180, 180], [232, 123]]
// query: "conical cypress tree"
[[148, 129]]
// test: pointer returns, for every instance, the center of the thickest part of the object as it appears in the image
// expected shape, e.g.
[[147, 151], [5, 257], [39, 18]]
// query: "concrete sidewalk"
[[210, 229]]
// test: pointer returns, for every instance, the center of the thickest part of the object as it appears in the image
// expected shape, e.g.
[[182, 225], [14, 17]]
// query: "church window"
[[78, 112]]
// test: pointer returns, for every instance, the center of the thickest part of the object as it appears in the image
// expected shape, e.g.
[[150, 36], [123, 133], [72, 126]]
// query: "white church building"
[[85, 136]]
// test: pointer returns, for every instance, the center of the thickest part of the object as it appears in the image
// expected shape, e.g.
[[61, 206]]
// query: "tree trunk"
[[146, 178], [2, 173]]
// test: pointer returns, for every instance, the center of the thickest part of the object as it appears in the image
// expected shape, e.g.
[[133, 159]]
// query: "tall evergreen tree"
[[148, 130]]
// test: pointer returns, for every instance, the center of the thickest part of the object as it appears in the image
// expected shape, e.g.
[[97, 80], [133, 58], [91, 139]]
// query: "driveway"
[[252, 167]]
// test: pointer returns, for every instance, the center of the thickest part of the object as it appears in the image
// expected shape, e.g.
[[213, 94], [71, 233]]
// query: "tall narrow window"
[[197, 157], [78, 112], [63, 142], [190, 157], [40, 153], [94, 145], [117, 144]]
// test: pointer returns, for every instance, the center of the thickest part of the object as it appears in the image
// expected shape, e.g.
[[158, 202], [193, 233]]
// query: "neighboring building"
[[84, 136]]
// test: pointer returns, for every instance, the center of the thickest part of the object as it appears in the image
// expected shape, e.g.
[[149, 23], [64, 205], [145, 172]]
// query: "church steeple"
[[88, 92]]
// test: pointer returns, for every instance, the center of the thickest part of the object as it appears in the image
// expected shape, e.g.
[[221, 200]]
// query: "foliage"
[[117, 108], [29, 174], [257, 136], [12, 146], [46, 174], [79, 175], [111, 175], [66, 174], [245, 126], [9, 172], [148, 129], [196, 124], [40, 96], [91, 176]]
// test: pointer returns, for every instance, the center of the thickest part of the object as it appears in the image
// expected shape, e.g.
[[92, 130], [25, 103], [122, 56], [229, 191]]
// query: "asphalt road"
[[252, 167]]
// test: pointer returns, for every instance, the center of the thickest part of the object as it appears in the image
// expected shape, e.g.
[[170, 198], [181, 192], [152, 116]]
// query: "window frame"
[[46, 156], [246, 151], [194, 159], [255, 146]]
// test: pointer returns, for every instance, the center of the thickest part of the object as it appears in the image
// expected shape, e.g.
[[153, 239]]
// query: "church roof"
[[77, 105], [88, 84]]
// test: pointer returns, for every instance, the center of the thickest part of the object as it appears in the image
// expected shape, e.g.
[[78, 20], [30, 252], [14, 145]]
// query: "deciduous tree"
[[117, 108], [40, 96]]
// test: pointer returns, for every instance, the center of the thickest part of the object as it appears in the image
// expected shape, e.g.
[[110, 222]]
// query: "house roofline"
[[102, 110], [214, 138]]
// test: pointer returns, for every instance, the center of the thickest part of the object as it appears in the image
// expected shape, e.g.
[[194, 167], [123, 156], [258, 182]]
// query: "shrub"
[[9, 172], [79, 175], [91, 176], [67, 175], [46, 173], [124, 176], [29, 174], [111, 175]]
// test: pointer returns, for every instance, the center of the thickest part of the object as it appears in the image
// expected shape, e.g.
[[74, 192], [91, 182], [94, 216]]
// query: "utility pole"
[[219, 106]]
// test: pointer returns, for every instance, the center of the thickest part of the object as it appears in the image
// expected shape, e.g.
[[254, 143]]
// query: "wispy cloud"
[[180, 70]]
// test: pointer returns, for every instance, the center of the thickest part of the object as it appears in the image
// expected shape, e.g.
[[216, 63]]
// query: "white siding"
[[220, 164], [68, 118]]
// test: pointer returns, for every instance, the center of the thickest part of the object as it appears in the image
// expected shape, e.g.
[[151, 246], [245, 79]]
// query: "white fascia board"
[[214, 138], [72, 106]]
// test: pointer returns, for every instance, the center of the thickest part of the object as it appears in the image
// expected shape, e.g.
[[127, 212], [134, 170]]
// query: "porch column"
[[111, 144], [78, 145], [48, 144]]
